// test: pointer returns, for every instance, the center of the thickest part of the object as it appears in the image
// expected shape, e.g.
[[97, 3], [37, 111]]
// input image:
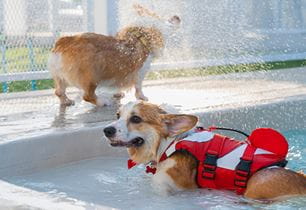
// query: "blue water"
[[297, 149], [106, 181]]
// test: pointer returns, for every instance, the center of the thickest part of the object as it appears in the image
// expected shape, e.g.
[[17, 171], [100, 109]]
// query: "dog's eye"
[[118, 115], [135, 119]]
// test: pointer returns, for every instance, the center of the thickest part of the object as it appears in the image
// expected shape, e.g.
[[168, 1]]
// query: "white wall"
[[101, 16]]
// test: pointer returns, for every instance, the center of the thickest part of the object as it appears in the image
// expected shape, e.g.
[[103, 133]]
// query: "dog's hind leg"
[[91, 97], [89, 93], [60, 91], [275, 183], [55, 68]]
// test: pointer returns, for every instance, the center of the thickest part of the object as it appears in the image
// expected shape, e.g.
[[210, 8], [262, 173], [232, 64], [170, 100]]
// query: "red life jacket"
[[226, 163]]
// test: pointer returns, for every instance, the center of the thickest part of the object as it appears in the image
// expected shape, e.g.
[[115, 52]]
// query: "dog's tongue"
[[131, 163]]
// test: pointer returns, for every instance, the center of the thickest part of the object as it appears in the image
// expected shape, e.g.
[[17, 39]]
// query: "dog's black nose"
[[109, 131]]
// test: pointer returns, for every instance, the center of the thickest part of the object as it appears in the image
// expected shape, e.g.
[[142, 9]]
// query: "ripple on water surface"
[[107, 182]]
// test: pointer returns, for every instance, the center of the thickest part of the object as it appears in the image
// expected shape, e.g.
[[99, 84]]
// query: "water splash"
[[224, 32]]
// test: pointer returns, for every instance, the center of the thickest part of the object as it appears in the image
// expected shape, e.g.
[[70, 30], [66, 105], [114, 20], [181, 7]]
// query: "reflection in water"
[[60, 118], [84, 114], [34, 116]]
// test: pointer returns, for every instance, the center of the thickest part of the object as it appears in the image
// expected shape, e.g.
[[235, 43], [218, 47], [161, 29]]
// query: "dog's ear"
[[179, 123]]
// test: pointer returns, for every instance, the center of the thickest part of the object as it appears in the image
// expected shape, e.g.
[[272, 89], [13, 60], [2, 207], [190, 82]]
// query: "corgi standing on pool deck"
[[184, 157], [90, 60]]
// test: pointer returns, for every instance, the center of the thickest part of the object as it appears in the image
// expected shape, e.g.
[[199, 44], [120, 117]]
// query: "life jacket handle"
[[211, 128]]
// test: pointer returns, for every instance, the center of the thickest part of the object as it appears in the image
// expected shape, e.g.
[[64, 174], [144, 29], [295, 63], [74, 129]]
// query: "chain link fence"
[[28, 30]]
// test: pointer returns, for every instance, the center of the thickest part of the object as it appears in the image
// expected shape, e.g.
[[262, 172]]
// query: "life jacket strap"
[[210, 160], [209, 166], [243, 169]]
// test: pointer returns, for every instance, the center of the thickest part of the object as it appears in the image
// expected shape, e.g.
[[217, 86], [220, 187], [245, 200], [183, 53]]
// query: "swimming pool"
[[105, 182]]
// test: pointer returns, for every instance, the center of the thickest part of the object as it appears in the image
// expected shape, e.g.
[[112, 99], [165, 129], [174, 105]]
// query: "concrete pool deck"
[[34, 113], [36, 136]]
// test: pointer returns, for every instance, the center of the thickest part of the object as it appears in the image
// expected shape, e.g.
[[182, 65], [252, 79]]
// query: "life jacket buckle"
[[243, 171], [244, 168], [210, 161], [209, 166]]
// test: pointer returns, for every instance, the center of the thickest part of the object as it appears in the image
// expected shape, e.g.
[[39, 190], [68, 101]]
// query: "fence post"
[[88, 6], [32, 61], [3, 60], [53, 16], [100, 11]]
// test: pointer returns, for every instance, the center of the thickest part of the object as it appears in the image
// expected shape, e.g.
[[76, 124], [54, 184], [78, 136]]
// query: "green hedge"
[[18, 86]]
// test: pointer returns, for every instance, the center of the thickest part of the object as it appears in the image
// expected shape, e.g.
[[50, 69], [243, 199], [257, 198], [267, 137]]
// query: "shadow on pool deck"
[[35, 113]]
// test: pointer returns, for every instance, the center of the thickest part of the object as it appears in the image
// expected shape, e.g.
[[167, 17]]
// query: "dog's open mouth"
[[136, 142]]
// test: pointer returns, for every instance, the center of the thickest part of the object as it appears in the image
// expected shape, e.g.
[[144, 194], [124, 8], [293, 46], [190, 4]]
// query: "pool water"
[[297, 149], [107, 182]]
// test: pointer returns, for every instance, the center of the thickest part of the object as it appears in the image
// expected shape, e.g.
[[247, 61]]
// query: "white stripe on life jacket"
[[231, 160], [262, 151], [200, 136]]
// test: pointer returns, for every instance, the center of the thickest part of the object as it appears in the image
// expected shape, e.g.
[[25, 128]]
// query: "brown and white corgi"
[[149, 133], [90, 60]]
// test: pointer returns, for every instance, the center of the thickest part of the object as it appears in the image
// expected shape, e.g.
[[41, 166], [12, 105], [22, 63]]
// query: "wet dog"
[[167, 142], [90, 60]]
